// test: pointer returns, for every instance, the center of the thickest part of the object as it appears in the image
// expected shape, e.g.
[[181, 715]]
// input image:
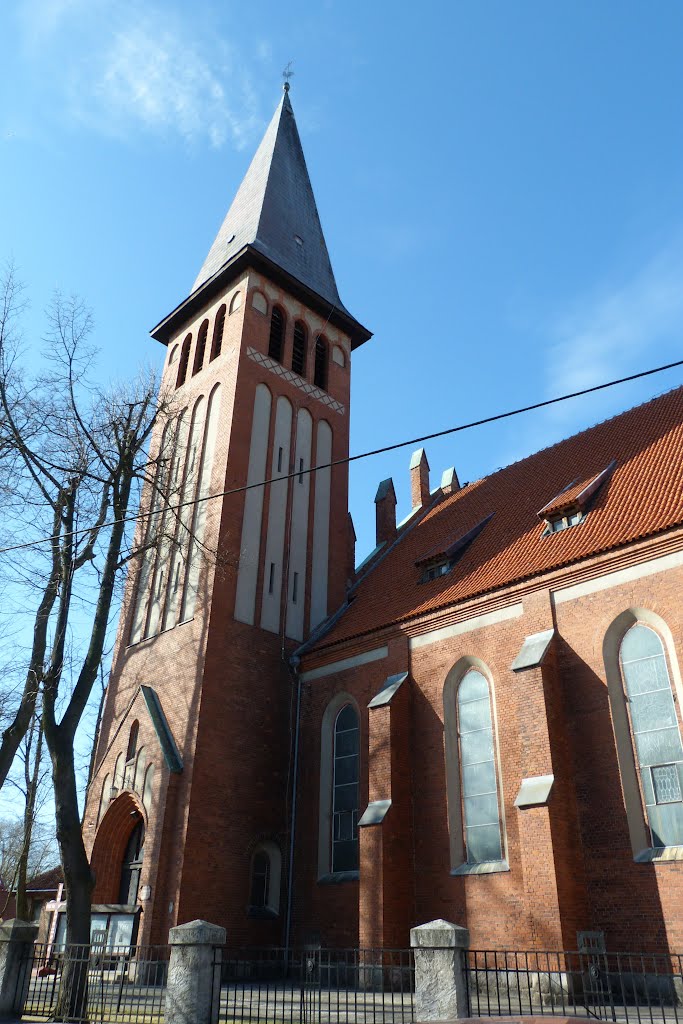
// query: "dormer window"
[[441, 560], [558, 523], [570, 506], [439, 569]]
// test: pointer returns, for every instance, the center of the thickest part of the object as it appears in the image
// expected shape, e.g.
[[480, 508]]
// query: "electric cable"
[[354, 458]]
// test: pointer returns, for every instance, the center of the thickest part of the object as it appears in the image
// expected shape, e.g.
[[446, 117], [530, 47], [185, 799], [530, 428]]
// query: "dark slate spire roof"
[[274, 207]]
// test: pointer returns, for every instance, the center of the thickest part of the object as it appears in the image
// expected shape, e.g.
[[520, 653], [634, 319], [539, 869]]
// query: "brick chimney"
[[449, 481], [385, 511], [419, 479]]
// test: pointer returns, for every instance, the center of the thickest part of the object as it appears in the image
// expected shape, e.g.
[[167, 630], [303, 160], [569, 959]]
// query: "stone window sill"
[[659, 855], [489, 867], [336, 877]]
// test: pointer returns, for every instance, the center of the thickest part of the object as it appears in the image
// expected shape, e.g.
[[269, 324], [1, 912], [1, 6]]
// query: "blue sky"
[[499, 182]]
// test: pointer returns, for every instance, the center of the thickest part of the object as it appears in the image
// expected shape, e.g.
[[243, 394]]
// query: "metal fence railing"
[[630, 987], [108, 985], [306, 985]]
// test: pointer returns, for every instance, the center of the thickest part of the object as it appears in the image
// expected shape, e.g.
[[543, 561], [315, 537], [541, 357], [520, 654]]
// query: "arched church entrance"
[[117, 853]]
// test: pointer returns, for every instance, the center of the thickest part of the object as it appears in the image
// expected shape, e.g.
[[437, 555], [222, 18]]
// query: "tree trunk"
[[72, 1002]]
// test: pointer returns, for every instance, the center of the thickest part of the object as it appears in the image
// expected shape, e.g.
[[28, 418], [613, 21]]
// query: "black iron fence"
[[630, 987], [93, 983], [315, 986]]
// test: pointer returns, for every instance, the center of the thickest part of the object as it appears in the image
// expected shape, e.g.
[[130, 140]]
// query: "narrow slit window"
[[218, 328], [299, 349], [277, 334], [201, 348], [295, 587], [279, 460], [301, 471], [271, 578]]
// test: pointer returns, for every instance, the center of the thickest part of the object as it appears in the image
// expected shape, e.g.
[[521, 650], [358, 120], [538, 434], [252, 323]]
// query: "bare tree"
[[71, 459]]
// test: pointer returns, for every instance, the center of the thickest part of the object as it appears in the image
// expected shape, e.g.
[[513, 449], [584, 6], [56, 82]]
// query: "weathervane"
[[287, 74]]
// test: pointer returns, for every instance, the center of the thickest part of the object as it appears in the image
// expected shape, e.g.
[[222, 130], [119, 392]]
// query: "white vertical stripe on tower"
[[277, 513], [149, 541], [298, 548], [247, 574], [321, 524], [177, 443], [178, 566], [200, 510]]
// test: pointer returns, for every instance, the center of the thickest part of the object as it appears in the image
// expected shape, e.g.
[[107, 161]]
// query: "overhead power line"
[[361, 455]]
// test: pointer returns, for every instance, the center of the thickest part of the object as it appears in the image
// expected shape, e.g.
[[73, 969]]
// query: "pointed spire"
[[275, 212]]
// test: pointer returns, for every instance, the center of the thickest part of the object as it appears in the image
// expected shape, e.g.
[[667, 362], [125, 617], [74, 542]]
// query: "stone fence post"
[[440, 950], [194, 973], [16, 943]]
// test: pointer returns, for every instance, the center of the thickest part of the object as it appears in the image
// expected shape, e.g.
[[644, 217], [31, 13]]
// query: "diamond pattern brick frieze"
[[296, 380]]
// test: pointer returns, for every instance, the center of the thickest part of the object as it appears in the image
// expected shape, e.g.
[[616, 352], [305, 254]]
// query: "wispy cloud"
[[622, 327], [601, 336], [137, 66]]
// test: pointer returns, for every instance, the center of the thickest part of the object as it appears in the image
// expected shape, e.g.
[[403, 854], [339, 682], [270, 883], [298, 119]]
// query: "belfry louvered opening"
[[277, 334], [299, 349]]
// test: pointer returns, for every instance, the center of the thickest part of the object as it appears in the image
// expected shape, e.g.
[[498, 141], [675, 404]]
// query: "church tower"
[[245, 551]]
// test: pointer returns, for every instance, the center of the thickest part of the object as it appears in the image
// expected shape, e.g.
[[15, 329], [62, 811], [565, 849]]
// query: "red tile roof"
[[578, 494], [643, 496]]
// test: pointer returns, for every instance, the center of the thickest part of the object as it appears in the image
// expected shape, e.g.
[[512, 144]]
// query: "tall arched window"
[[264, 881], [218, 327], [320, 370], [299, 349], [201, 348], [184, 360], [345, 797], [656, 733], [277, 334], [478, 781]]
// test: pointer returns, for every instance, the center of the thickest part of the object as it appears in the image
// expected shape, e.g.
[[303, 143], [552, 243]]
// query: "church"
[[481, 722]]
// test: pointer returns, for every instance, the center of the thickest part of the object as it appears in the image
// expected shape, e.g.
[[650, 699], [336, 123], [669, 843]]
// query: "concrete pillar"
[[194, 973], [440, 950], [16, 944]]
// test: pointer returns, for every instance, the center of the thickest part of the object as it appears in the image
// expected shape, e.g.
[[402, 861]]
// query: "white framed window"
[[345, 798], [476, 817], [478, 776], [656, 733]]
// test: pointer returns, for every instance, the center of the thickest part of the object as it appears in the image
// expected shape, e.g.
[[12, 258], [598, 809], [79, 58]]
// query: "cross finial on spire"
[[287, 74]]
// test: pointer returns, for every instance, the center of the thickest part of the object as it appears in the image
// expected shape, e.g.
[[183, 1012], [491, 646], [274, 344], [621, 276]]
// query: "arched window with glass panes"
[[479, 786], [656, 733], [345, 796]]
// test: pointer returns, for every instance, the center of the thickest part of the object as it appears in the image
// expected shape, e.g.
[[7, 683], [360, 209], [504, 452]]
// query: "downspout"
[[294, 665]]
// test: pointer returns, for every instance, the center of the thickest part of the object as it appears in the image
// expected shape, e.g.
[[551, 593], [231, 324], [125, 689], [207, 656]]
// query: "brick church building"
[[481, 723]]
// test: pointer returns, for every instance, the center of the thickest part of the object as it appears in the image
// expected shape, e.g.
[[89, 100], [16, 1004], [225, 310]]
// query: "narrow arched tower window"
[[260, 880], [184, 361], [132, 741], [345, 796], [201, 348], [479, 785], [218, 328], [320, 372], [277, 334], [656, 733], [299, 349]]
